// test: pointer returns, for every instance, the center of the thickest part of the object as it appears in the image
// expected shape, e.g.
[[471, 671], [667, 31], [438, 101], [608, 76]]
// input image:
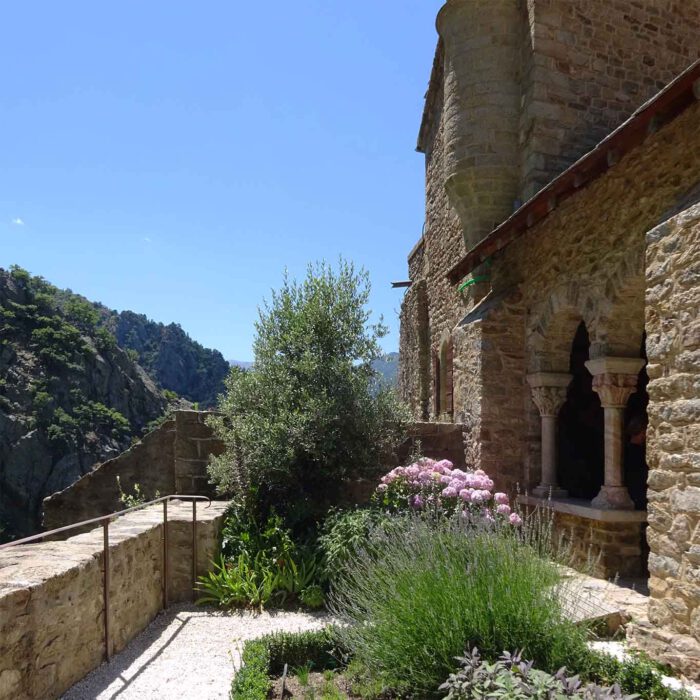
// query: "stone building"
[[552, 304]]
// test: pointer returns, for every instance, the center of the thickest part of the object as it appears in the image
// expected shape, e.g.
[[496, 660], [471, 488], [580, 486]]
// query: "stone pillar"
[[614, 380], [549, 395]]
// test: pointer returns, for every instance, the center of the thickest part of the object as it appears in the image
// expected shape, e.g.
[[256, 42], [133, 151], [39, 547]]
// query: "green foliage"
[[136, 498], [104, 340], [266, 657], [636, 674], [58, 344], [64, 431], [262, 565], [511, 678], [344, 532], [310, 413], [252, 682], [100, 418], [313, 596], [421, 592], [132, 354], [81, 313]]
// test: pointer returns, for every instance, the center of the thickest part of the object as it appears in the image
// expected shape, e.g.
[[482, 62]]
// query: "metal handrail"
[[105, 520]]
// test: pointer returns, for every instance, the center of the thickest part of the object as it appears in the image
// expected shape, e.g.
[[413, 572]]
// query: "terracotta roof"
[[665, 106]]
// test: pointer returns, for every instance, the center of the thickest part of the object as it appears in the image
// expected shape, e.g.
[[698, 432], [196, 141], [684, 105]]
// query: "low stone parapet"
[[52, 603], [606, 543]]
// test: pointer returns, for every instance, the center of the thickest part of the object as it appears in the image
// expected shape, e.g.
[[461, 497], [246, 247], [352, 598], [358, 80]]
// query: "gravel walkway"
[[188, 652]]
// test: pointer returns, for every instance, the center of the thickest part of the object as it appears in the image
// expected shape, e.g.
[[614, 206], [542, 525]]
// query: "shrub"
[[423, 591], [344, 532], [262, 565], [511, 678], [440, 489], [636, 674], [310, 413], [266, 657], [252, 682]]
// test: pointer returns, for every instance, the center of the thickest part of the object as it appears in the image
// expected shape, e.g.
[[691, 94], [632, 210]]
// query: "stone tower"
[[481, 40]]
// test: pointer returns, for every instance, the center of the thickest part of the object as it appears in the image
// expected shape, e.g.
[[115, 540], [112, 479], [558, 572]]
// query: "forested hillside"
[[69, 396]]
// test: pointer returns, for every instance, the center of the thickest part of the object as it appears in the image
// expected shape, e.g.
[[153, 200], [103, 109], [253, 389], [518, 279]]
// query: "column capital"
[[615, 379], [549, 391]]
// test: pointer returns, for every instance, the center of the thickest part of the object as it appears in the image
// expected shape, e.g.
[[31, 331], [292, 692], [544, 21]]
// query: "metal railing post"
[[194, 550], [165, 554], [106, 582]]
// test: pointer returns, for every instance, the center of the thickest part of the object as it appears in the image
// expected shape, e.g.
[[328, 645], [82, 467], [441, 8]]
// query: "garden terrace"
[[52, 594]]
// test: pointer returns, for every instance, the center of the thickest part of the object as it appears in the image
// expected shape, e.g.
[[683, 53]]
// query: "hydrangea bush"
[[437, 487]]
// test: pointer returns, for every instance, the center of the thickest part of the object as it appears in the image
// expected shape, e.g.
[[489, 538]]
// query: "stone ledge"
[[51, 594], [584, 509]]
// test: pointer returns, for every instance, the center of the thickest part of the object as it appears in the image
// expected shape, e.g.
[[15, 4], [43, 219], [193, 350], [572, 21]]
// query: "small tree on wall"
[[311, 413]]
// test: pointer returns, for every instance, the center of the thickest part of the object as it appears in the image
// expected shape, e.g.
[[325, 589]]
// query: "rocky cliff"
[[70, 397], [171, 357]]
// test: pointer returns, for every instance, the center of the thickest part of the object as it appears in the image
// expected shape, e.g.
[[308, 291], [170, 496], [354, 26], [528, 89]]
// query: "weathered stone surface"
[[620, 254], [171, 459], [51, 602]]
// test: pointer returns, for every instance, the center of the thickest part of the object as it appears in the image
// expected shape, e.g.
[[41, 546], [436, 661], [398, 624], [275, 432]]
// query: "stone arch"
[[620, 327], [553, 324], [613, 314]]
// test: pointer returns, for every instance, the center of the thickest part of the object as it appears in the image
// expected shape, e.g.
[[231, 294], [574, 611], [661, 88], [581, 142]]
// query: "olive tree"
[[311, 413]]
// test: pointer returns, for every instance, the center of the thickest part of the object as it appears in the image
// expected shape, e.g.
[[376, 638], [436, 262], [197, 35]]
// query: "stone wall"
[[434, 440], [588, 64], [673, 346], [592, 246], [584, 66], [170, 459], [414, 368], [603, 543], [51, 601]]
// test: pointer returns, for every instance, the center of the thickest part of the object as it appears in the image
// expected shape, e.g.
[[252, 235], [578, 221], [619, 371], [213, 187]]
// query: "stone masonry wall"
[[584, 67], [673, 346], [585, 261], [588, 64], [414, 368], [51, 602], [170, 459]]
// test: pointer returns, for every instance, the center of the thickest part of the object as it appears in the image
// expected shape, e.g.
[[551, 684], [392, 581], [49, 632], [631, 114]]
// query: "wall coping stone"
[[584, 509]]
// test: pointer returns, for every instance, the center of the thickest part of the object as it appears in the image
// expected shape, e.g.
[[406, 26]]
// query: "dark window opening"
[[581, 436]]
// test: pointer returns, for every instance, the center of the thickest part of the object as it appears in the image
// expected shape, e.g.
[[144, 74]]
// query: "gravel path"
[[188, 652]]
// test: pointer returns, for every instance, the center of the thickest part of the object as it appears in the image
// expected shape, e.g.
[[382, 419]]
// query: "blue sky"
[[174, 157]]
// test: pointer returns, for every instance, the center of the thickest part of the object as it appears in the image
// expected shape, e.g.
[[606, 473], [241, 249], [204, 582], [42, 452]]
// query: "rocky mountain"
[[388, 368], [70, 397], [175, 361]]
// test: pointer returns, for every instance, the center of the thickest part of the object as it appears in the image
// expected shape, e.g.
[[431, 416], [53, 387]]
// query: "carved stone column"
[[549, 395], [614, 380]]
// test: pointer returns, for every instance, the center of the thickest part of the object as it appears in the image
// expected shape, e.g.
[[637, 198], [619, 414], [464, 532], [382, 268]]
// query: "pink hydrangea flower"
[[515, 519], [382, 487], [503, 509], [466, 494], [449, 492], [477, 497], [500, 498]]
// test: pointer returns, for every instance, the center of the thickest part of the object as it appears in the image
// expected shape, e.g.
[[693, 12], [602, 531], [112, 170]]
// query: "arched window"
[[581, 453], [443, 362]]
